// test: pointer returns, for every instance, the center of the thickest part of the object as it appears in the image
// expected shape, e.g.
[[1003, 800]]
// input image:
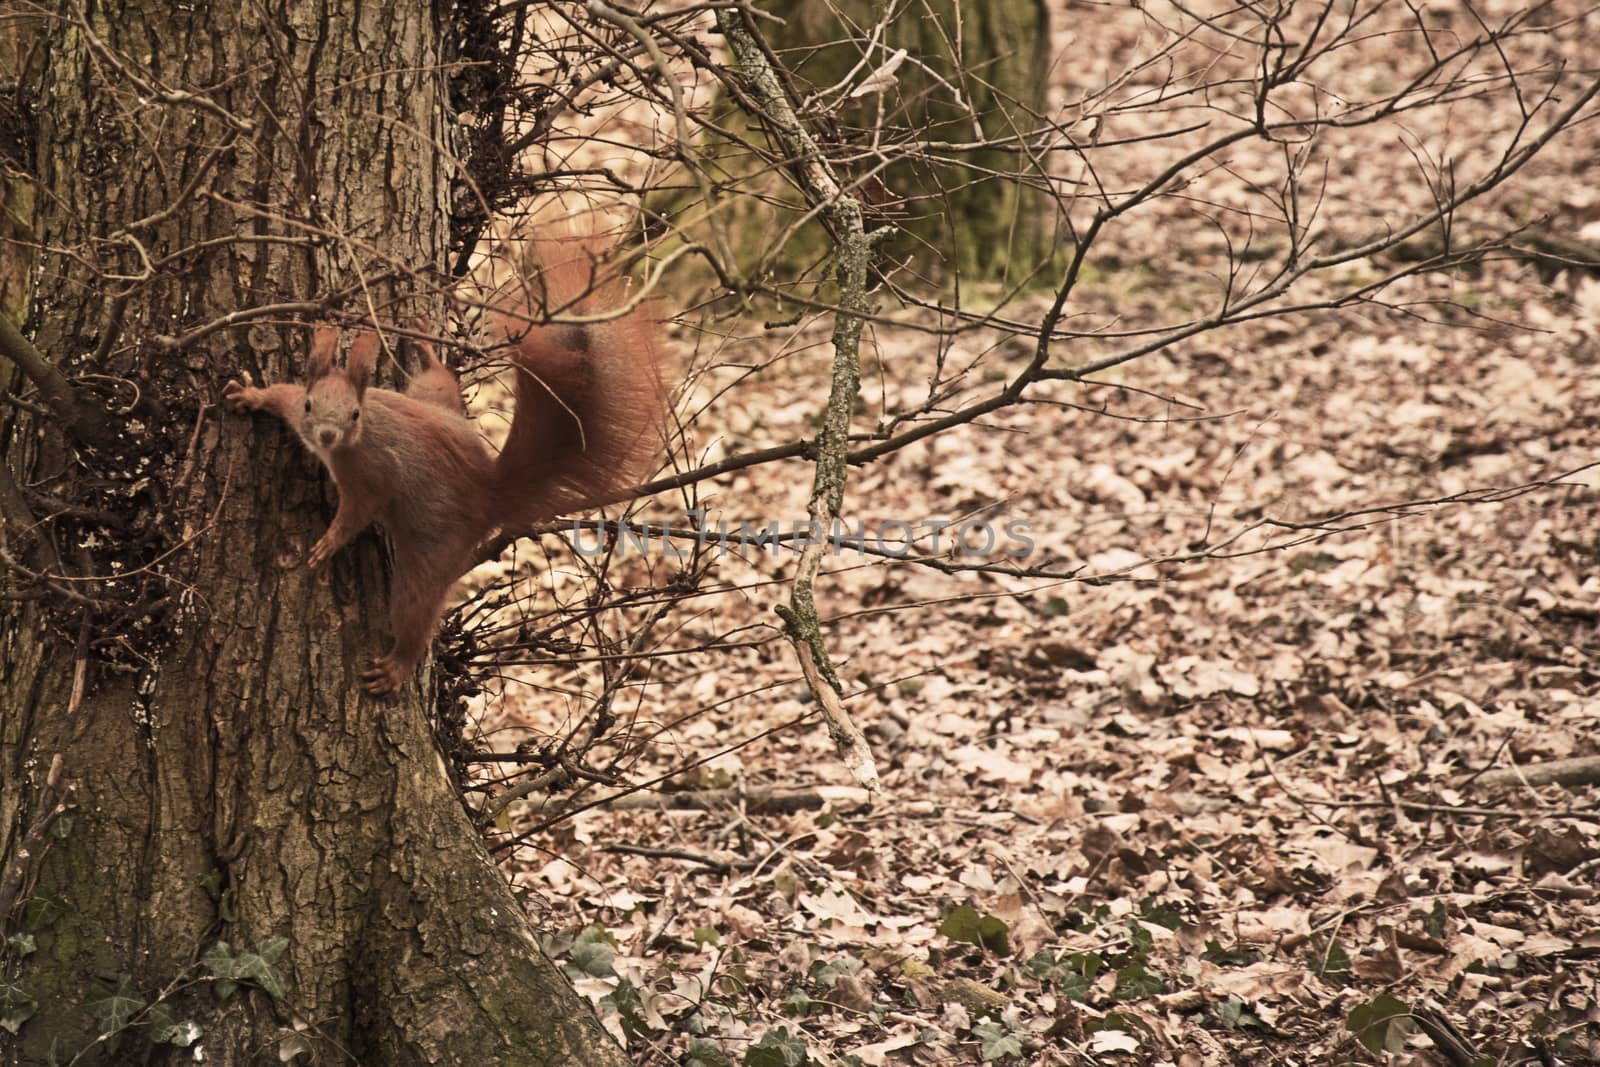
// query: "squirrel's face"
[[332, 415]]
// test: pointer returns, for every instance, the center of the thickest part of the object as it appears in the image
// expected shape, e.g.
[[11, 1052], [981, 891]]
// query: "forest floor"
[[1179, 806]]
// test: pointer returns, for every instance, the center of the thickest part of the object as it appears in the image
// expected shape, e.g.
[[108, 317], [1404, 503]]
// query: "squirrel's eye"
[[356, 414], [308, 403]]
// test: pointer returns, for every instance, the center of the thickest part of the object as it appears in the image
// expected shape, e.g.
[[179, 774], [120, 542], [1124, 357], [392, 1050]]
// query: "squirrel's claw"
[[320, 553], [383, 678], [238, 397]]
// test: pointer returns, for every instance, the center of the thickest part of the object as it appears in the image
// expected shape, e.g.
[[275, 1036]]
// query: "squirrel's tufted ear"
[[430, 355], [363, 358], [324, 348]]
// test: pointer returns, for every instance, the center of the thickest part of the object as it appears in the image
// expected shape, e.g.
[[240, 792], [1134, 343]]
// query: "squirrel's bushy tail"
[[590, 406]]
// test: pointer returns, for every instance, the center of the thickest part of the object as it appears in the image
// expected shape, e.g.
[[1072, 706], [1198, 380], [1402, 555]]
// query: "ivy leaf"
[[22, 945], [593, 955], [826, 974], [42, 911], [1380, 1024], [625, 1001], [251, 965], [1160, 914], [271, 950], [167, 1029], [963, 923], [1041, 965], [1078, 972], [1237, 956], [777, 1049], [257, 967], [1072, 972], [996, 1041], [1332, 963], [795, 1002], [1136, 983], [117, 1008], [705, 1054], [1233, 1014], [1140, 941], [16, 1007]]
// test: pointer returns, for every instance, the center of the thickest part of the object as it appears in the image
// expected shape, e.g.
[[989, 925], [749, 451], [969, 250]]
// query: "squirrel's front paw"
[[384, 678], [238, 397]]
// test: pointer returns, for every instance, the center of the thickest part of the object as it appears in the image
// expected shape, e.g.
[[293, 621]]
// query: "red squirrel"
[[589, 407]]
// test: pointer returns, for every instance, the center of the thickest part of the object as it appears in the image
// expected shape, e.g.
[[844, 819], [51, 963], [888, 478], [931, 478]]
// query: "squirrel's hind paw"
[[321, 552], [385, 676]]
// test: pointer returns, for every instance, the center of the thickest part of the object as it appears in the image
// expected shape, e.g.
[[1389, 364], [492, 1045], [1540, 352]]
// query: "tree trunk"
[[977, 72], [242, 810]]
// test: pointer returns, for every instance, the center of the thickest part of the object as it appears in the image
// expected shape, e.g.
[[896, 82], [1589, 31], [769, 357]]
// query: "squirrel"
[[589, 409]]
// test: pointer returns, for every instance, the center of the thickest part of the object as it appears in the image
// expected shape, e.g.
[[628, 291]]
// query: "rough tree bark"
[[232, 783]]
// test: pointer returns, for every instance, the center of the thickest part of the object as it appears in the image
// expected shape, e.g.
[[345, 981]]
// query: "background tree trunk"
[[976, 71], [232, 783]]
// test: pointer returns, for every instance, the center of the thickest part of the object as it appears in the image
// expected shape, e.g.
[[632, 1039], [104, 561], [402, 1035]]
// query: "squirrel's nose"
[[328, 437]]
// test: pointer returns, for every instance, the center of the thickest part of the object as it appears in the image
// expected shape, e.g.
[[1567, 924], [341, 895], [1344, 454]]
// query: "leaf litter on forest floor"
[[1209, 811]]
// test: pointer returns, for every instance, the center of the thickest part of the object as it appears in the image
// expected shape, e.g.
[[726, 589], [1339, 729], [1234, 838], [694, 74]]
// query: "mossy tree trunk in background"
[[241, 808], [976, 72]]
